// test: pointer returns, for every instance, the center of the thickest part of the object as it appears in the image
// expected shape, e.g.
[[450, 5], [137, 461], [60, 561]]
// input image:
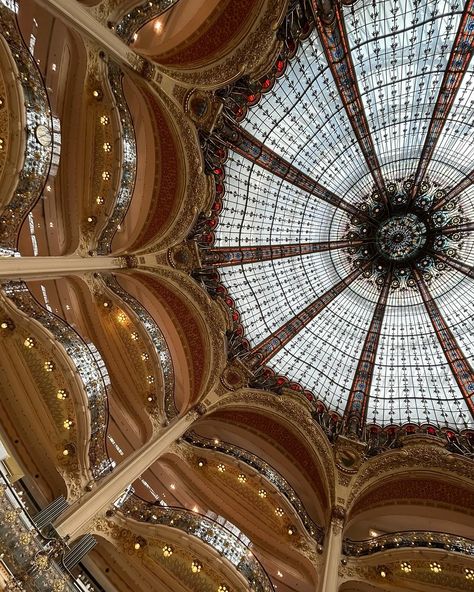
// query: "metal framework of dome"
[[341, 235]]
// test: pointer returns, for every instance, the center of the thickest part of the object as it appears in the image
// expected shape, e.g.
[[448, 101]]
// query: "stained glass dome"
[[345, 210]]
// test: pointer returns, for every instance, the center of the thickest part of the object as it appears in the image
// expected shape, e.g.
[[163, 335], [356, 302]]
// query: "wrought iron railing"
[[413, 539], [86, 366], [157, 338], [38, 155], [141, 14], [33, 561], [266, 471], [225, 542], [128, 161]]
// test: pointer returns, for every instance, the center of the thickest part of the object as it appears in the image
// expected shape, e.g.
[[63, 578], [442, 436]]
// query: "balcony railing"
[[33, 562], [144, 12], [225, 542], [86, 366], [412, 539], [265, 470], [157, 338], [128, 164], [38, 154]]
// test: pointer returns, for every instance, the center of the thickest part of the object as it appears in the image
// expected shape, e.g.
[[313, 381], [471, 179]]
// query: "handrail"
[[157, 338], [139, 16], [207, 530], [409, 539], [267, 471], [86, 366]]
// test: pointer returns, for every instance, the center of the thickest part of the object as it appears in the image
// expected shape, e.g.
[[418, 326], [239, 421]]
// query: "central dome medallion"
[[401, 238]]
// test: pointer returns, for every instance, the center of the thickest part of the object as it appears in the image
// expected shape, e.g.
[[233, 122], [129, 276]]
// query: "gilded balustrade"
[[86, 366], [412, 539], [210, 532], [39, 133], [33, 560]]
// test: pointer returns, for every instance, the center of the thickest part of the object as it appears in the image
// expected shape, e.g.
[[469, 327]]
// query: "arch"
[[301, 455]]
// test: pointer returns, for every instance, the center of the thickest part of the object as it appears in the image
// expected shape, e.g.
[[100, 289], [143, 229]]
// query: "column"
[[77, 17], [77, 518], [329, 581], [31, 268]]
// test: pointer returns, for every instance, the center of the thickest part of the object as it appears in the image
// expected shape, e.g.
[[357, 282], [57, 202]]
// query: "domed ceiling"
[[344, 236]]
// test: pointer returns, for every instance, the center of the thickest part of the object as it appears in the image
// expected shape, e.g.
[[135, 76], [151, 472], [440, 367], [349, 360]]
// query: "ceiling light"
[[201, 462], [196, 566], [291, 530], [221, 467], [242, 478], [48, 366], [435, 567], [158, 26], [469, 573], [405, 567], [61, 394], [29, 342], [145, 356], [223, 588], [122, 318], [134, 336], [104, 120], [167, 551], [68, 423], [279, 512], [262, 493]]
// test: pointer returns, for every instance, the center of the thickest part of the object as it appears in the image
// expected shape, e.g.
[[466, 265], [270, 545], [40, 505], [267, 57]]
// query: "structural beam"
[[240, 141], [467, 270], [272, 344], [455, 191], [460, 367], [355, 413], [227, 256], [79, 516], [466, 227], [458, 63], [332, 32], [31, 268]]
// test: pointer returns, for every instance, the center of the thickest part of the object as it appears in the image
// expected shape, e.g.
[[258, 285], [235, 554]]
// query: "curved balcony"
[[267, 471], [157, 338], [210, 532], [128, 158], [39, 134], [85, 361], [144, 12], [412, 539], [32, 561]]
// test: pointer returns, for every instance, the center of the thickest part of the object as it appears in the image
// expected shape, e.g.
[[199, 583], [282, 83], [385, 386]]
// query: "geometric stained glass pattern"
[[359, 156]]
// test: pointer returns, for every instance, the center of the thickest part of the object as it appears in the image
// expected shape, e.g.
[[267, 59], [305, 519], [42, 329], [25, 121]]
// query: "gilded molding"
[[198, 192]]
